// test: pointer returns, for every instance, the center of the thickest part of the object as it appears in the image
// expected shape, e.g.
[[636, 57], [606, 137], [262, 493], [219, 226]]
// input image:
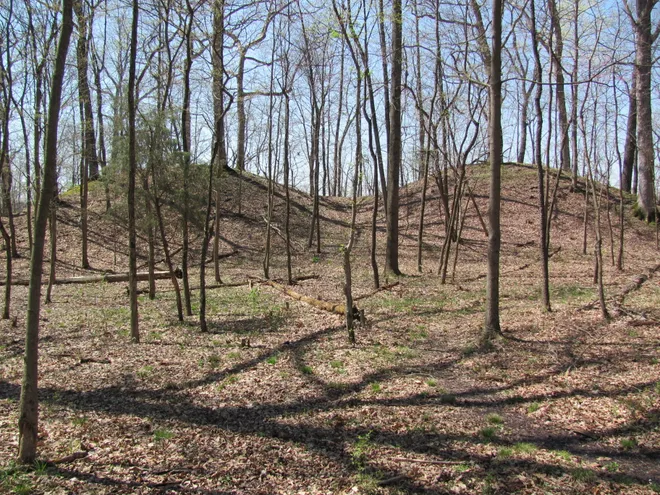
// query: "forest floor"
[[274, 400]]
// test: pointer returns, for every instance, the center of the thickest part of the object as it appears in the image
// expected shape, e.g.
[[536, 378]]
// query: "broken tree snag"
[[108, 277], [337, 308]]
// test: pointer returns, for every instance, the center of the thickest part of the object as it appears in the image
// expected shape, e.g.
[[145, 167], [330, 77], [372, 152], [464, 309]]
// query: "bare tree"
[[132, 168], [645, 36], [29, 405], [394, 144], [492, 324]]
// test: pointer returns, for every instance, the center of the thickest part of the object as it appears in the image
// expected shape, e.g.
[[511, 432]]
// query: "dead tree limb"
[[636, 284], [337, 308]]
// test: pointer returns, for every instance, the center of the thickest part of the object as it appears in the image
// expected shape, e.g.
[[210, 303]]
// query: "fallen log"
[[636, 284], [337, 308], [106, 277]]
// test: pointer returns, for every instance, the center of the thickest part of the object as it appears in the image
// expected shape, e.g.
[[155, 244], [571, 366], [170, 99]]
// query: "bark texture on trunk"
[[492, 324], [394, 145], [29, 404], [645, 165]]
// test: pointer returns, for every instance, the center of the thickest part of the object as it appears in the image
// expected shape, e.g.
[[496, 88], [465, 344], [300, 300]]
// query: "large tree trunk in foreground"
[[29, 406], [646, 195]]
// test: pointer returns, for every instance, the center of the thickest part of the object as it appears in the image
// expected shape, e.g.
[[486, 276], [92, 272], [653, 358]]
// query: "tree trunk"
[[82, 57], [543, 224], [52, 227], [186, 138], [557, 59], [219, 116], [394, 145], [28, 419], [6, 239], [630, 146], [492, 324], [132, 169], [645, 198]]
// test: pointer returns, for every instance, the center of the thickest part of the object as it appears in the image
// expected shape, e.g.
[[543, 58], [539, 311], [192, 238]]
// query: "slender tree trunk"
[[29, 404], [492, 324], [630, 145], [151, 260], [543, 235], [394, 146], [287, 213], [348, 288], [219, 116], [522, 147], [132, 169], [84, 193], [557, 59], [269, 199], [52, 228], [82, 57], [574, 95], [7, 241], [186, 138], [619, 259]]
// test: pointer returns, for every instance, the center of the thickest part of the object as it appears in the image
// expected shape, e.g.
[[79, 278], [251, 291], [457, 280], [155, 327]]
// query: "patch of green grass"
[[154, 336], [375, 387], [564, 454], [469, 350], [612, 467], [338, 366], [272, 359], [494, 419], [401, 304], [525, 448], [40, 468], [80, 420], [582, 474], [533, 407], [233, 355], [572, 293], [406, 352], [337, 386], [628, 443], [214, 360], [360, 451], [432, 382], [306, 370], [504, 453], [383, 352], [162, 434], [462, 468], [145, 372], [488, 433], [418, 333], [655, 487], [227, 381]]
